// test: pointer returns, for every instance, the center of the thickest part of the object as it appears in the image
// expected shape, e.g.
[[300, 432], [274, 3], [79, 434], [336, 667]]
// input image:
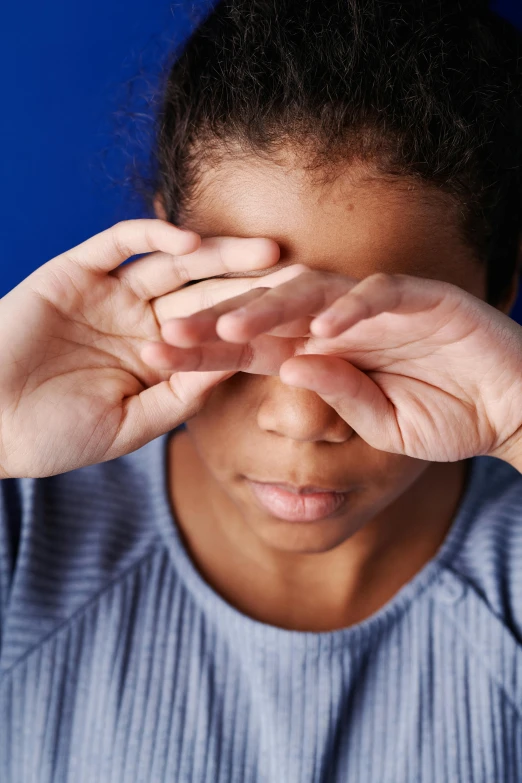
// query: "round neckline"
[[245, 626]]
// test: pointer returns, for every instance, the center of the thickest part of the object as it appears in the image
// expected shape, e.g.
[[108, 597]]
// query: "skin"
[[335, 572]]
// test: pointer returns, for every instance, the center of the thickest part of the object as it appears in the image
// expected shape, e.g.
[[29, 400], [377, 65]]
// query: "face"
[[256, 427]]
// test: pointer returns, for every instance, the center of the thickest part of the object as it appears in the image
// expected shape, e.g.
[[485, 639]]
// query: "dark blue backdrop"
[[66, 68]]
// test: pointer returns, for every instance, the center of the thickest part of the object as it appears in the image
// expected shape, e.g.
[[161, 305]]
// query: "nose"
[[299, 414]]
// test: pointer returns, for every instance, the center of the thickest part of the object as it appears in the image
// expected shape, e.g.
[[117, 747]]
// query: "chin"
[[309, 538]]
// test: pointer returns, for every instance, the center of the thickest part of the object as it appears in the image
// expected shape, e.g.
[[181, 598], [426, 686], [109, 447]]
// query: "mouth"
[[293, 503], [307, 489]]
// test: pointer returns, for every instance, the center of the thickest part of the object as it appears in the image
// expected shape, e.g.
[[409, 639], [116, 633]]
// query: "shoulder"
[[66, 538], [489, 555]]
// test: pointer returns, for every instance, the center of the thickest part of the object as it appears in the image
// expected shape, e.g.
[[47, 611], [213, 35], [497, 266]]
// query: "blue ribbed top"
[[120, 663]]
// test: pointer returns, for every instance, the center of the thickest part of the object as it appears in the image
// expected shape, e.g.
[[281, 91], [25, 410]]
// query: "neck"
[[311, 592]]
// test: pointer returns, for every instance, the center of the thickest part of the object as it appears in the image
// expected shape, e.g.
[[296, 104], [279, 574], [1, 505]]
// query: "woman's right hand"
[[74, 387]]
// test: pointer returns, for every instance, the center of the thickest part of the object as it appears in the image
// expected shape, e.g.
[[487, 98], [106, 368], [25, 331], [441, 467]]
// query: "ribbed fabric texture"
[[120, 663]]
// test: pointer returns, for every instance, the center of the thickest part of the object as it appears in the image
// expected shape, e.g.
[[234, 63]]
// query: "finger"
[[160, 273], [203, 358], [198, 329], [107, 250], [376, 294], [263, 356], [195, 301], [307, 294], [207, 293], [352, 393], [201, 327]]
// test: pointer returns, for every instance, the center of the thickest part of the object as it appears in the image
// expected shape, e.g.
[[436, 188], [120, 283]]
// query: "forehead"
[[356, 224]]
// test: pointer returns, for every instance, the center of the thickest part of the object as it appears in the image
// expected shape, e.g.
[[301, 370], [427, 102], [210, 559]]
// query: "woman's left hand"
[[416, 366]]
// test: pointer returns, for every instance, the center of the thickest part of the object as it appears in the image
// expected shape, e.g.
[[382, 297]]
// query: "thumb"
[[350, 392], [164, 406]]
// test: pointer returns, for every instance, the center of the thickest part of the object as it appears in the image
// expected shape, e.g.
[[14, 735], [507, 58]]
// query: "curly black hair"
[[423, 89]]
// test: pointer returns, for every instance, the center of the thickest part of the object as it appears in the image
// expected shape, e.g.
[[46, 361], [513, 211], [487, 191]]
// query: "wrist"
[[511, 450]]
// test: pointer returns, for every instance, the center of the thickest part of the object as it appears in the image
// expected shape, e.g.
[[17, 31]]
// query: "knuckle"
[[180, 270], [380, 277], [221, 257], [247, 356], [136, 286], [392, 285], [119, 239], [364, 305], [387, 279], [200, 359]]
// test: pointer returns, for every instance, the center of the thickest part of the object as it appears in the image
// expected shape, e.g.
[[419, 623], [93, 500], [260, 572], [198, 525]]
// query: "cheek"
[[381, 476], [392, 476], [232, 403], [224, 427]]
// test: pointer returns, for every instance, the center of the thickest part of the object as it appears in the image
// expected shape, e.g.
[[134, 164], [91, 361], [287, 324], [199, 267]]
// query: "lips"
[[297, 504], [302, 490]]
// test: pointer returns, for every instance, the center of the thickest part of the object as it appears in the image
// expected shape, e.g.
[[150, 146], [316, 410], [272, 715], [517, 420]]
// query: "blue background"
[[70, 71]]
